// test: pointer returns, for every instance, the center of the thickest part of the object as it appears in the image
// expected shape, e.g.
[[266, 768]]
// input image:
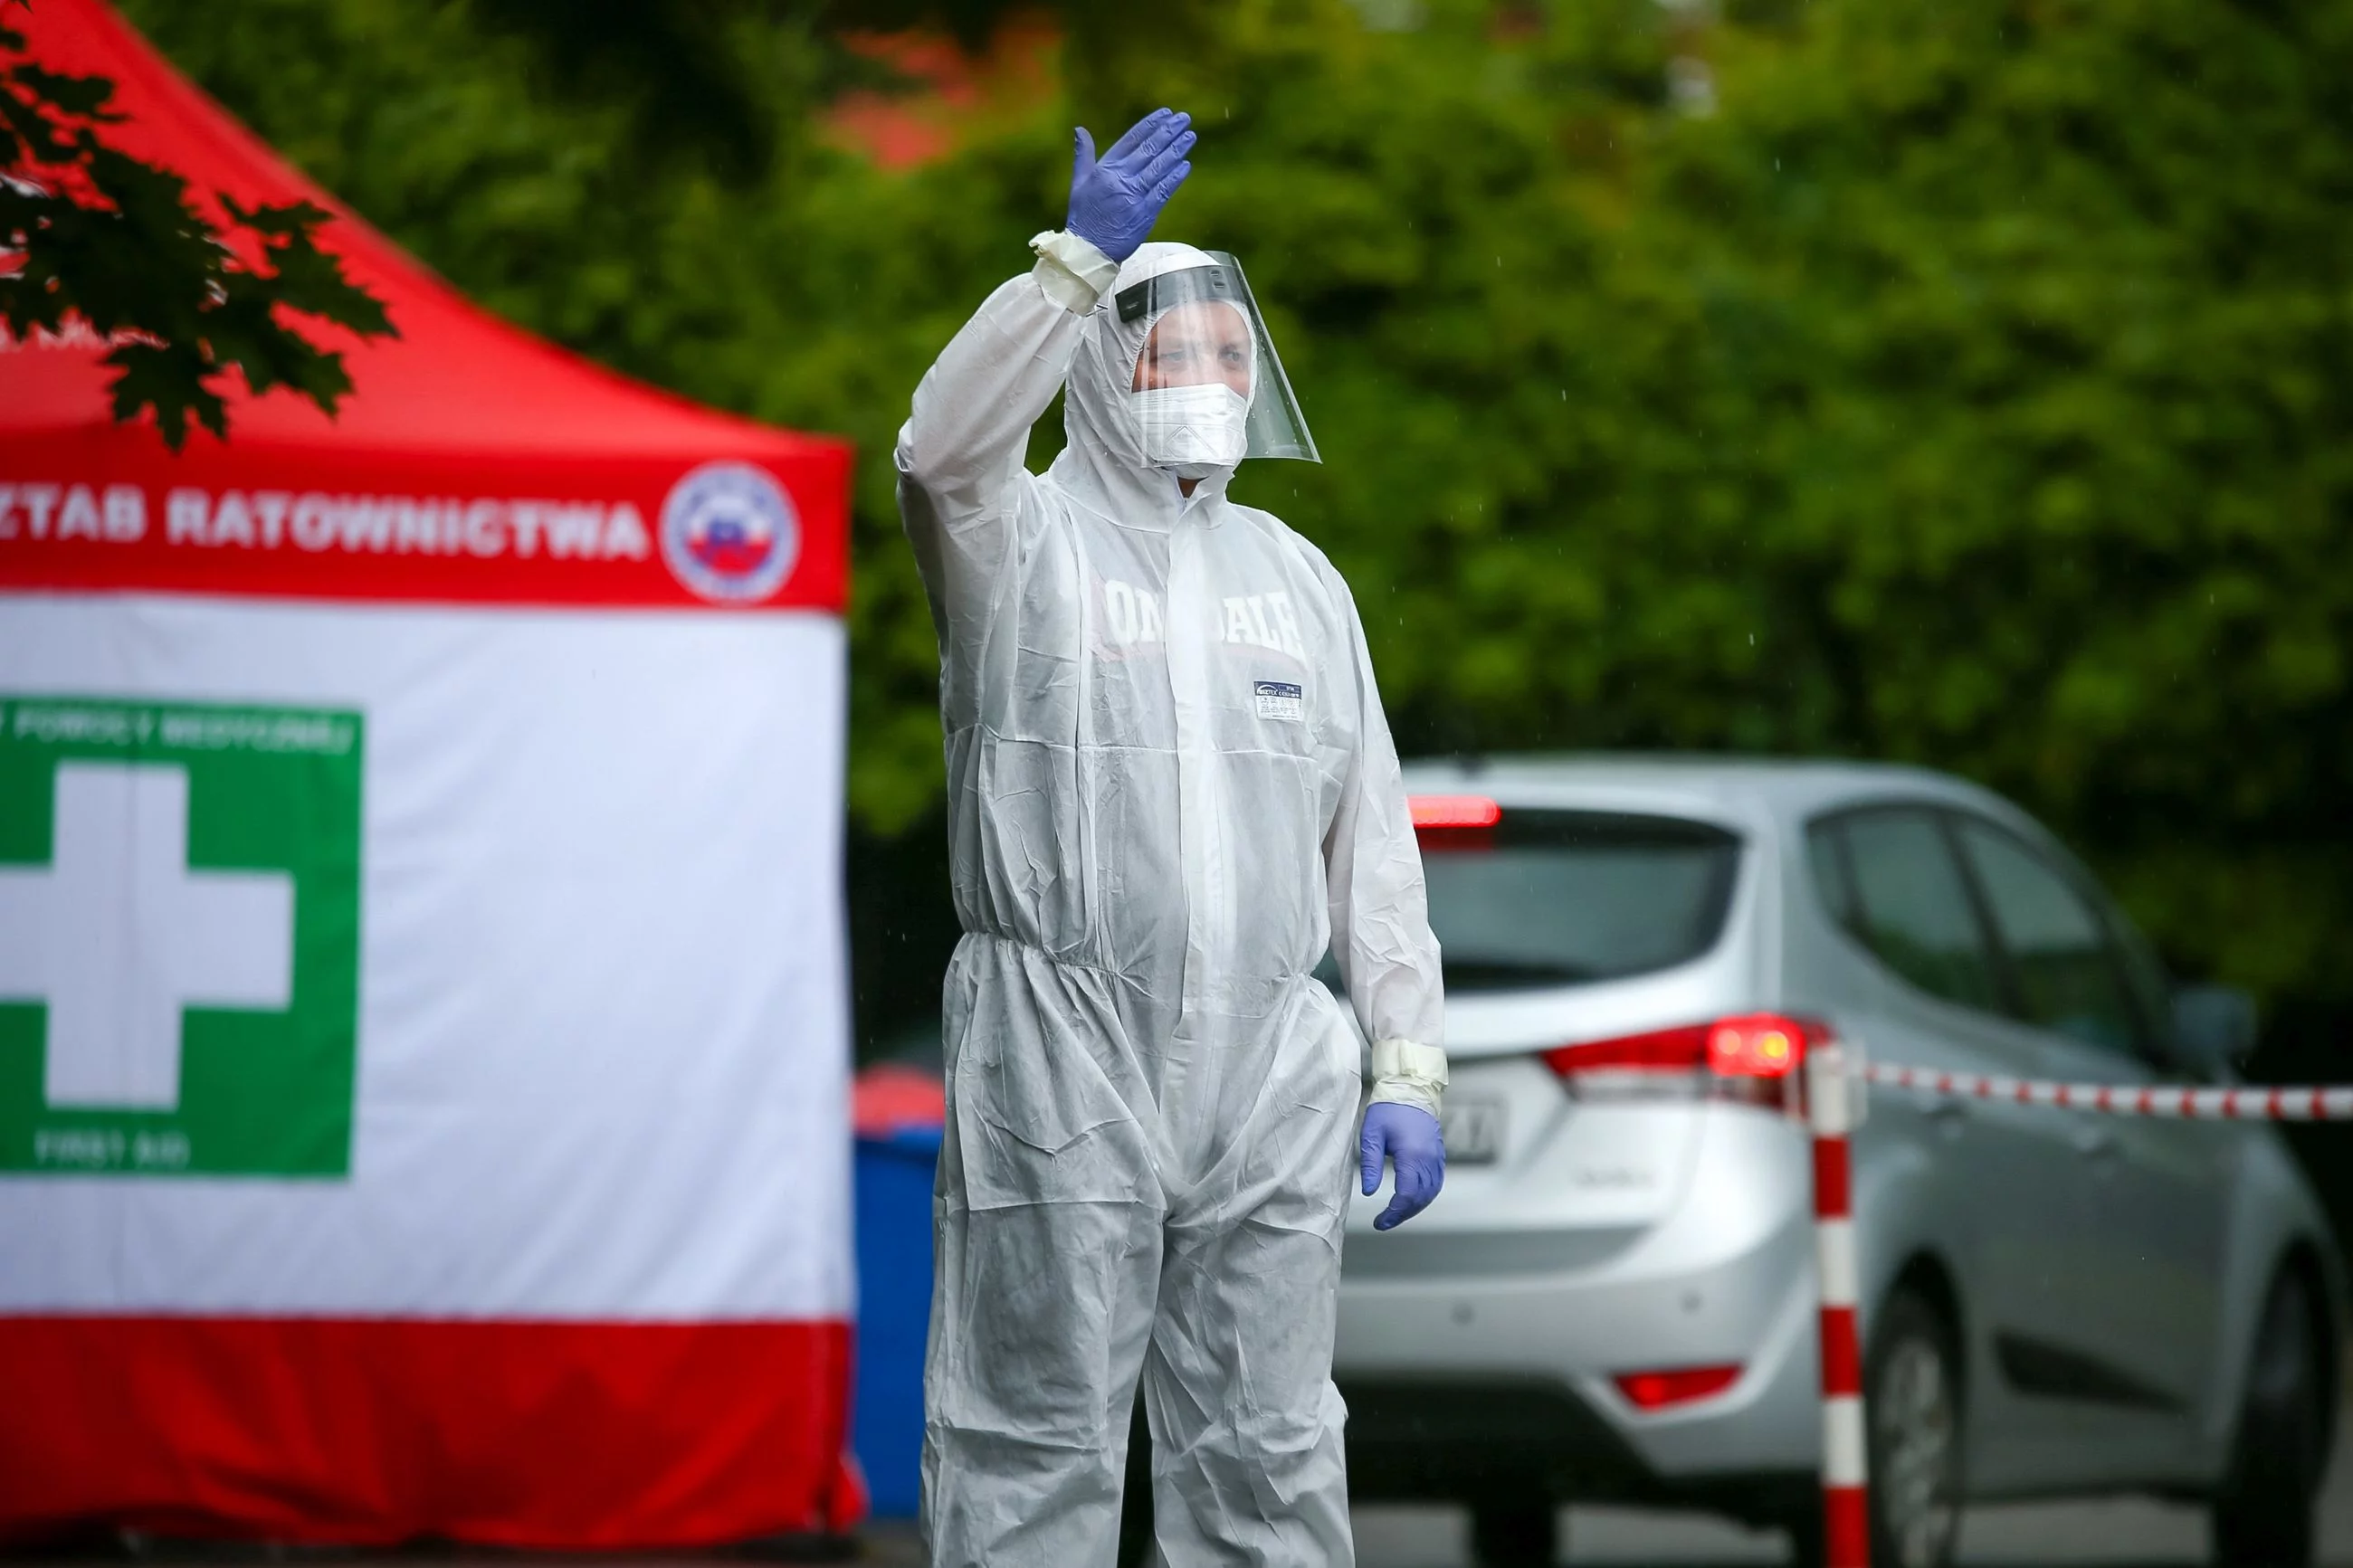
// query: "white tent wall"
[[602, 1059]]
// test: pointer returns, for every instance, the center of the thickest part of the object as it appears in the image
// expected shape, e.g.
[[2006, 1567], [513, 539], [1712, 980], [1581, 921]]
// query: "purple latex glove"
[[1115, 202], [1409, 1137]]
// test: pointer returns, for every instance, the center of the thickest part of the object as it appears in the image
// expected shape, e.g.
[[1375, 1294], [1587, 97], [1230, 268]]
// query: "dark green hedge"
[[1965, 383]]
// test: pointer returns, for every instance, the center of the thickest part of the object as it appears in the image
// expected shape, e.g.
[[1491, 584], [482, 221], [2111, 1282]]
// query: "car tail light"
[[1454, 811], [1676, 1385], [1754, 1057], [1759, 1045], [1660, 1051]]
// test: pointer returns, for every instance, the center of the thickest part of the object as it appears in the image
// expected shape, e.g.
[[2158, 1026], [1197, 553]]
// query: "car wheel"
[[1912, 1403], [1521, 1534], [2264, 1512]]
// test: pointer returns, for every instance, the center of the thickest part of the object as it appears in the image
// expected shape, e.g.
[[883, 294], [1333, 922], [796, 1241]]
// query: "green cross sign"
[[179, 938]]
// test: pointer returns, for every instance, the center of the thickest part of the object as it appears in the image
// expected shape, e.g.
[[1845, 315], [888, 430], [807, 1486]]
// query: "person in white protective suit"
[[1170, 786]]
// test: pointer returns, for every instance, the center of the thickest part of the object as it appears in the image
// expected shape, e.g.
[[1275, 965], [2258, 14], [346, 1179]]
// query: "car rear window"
[[1568, 897]]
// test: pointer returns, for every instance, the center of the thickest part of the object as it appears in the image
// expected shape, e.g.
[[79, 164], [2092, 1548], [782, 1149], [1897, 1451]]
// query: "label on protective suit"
[[1280, 699]]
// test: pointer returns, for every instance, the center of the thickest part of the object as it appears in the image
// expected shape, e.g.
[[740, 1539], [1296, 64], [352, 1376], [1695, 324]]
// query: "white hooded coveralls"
[[1169, 785]]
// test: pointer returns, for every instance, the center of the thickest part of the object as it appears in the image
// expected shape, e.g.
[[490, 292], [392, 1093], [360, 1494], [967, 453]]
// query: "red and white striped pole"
[[1829, 1107]]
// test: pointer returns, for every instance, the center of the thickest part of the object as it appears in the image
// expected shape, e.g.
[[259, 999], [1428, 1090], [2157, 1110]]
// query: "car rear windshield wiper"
[[1511, 974]]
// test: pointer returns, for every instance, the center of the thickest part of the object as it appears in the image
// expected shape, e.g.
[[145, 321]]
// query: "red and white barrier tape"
[[2259, 1104], [1846, 1529]]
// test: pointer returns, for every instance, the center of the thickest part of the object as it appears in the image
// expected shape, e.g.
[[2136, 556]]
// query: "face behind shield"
[[1207, 389], [1192, 389]]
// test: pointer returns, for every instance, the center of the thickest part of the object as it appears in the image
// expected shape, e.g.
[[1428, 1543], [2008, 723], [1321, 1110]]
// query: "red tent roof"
[[459, 407]]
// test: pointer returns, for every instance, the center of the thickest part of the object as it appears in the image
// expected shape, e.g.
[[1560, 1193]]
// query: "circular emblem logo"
[[729, 532]]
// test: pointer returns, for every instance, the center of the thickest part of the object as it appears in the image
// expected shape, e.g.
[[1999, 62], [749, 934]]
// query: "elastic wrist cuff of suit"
[[1073, 272], [1406, 1072]]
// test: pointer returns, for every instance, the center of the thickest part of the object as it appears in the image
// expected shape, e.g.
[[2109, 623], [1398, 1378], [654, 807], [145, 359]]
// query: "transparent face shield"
[[1206, 357]]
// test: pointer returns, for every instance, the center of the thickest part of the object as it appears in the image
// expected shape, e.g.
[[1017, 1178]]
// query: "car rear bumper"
[[1495, 1365], [1463, 1441]]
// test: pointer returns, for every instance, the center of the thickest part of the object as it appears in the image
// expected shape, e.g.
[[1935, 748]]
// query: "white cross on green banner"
[[180, 887]]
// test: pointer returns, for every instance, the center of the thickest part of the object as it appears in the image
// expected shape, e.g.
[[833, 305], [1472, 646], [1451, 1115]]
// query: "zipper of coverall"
[[1201, 849], [1082, 739]]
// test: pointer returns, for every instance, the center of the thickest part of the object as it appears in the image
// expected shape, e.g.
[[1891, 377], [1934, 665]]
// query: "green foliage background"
[[1965, 382], [100, 239]]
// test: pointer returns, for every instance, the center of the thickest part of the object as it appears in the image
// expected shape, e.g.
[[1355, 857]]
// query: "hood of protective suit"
[[1104, 449]]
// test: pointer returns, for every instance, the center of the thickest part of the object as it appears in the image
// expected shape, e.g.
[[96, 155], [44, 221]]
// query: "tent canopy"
[[460, 406], [422, 1085]]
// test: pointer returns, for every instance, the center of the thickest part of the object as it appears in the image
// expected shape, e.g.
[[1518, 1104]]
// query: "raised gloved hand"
[[1408, 1136], [1115, 202]]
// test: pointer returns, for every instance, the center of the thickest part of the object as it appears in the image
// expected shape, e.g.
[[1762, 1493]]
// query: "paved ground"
[[2128, 1533], [2121, 1534]]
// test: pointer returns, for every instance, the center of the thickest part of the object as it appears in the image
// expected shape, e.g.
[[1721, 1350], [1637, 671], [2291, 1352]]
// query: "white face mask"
[[1193, 432]]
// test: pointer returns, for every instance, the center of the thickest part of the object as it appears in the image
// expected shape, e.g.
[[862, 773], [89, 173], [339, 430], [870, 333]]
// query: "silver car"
[[1614, 1299]]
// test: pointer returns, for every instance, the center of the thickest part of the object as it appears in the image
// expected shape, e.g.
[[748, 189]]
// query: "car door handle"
[[1946, 1114]]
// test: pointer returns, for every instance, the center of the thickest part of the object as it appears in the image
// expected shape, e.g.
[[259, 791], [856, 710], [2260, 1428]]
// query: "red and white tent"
[[423, 1013]]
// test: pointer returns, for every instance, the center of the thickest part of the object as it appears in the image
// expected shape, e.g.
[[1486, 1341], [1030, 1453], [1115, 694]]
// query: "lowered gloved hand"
[[1409, 1137], [1115, 202]]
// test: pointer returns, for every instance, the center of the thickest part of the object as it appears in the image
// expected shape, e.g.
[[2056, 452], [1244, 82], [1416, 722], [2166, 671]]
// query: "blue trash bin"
[[894, 1175]]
